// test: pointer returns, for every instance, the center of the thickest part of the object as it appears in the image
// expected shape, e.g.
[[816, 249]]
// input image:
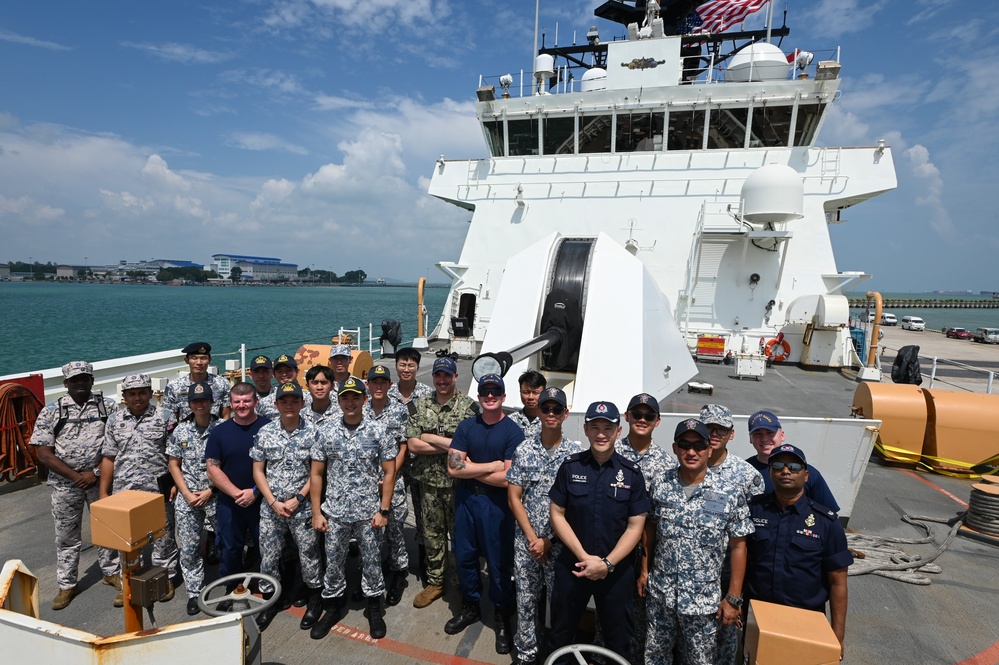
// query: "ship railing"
[[951, 373]]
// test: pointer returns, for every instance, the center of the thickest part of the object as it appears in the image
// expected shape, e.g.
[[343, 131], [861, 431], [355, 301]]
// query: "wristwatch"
[[733, 600], [610, 566], [385, 512], [300, 498]]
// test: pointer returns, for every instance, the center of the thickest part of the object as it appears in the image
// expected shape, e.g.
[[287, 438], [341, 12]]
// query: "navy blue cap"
[[602, 411], [285, 359], [199, 390], [445, 364], [763, 420], [644, 399], [379, 372], [788, 449], [492, 380], [261, 361], [553, 395], [351, 385], [203, 348], [692, 425], [286, 389]]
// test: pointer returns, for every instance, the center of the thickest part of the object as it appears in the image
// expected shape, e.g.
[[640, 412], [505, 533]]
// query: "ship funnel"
[[773, 194]]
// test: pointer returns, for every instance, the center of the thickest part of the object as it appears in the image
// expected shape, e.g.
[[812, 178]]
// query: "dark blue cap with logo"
[[692, 425], [763, 420], [199, 390], [492, 380], [288, 389], [602, 411], [285, 359], [351, 385], [445, 364], [201, 348], [553, 395], [644, 399], [259, 362], [788, 449], [379, 372]]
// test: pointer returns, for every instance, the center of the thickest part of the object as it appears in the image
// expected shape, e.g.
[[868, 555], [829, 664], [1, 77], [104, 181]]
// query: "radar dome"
[[757, 62], [544, 67], [595, 78], [773, 193]]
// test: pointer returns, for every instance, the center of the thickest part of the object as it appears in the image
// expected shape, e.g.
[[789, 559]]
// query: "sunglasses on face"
[[719, 431], [699, 446], [647, 416], [491, 391], [553, 409], [794, 467]]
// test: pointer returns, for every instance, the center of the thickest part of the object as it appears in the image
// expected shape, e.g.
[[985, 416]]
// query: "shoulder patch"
[[823, 510], [758, 498], [627, 463]]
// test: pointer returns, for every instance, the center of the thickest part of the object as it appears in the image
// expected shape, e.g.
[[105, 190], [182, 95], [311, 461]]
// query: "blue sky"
[[307, 129]]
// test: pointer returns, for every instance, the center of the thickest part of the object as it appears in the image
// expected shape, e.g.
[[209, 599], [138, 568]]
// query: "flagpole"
[[534, 49], [770, 20]]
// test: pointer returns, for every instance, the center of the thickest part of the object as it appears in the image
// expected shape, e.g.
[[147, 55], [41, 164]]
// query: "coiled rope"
[[19, 409], [983, 508]]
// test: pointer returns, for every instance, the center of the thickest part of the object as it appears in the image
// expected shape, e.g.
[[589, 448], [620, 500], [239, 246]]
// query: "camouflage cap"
[[340, 350], [136, 381], [716, 414], [351, 385], [379, 372], [289, 389], [200, 390], [76, 368], [285, 359]]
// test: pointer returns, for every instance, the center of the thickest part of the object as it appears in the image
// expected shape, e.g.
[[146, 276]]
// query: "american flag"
[[720, 15]]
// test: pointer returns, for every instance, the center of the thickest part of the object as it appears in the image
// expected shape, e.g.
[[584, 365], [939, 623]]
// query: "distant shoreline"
[[230, 284]]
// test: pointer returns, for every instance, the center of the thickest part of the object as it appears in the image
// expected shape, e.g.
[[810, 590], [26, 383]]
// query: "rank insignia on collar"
[[810, 520]]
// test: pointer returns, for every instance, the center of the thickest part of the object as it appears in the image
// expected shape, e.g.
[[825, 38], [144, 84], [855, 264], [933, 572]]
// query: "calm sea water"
[[938, 319], [46, 325]]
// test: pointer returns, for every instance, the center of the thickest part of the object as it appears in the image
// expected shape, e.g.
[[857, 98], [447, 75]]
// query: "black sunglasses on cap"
[[699, 445], [555, 409]]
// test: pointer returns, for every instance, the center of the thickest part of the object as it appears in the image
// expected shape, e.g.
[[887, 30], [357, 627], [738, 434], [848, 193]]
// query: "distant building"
[[68, 272], [254, 268], [4, 271]]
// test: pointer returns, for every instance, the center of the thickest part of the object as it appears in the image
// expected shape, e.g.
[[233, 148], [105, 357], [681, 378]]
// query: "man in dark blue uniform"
[[479, 456], [798, 555], [598, 507], [766, 433]]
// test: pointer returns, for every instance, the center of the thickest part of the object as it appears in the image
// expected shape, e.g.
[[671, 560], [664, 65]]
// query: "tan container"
[[123, 520], [310, 355], [964, 429], [903, 414], [778, 635]]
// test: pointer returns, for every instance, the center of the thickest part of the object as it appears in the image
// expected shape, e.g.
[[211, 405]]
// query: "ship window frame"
[[656, 120], [557, 117], [731, 108], [499, 121], [691, 125], [535, 140], [805, 135], [581, 148]]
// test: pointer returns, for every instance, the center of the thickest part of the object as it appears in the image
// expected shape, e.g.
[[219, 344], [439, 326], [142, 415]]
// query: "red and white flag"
[[720, 15]]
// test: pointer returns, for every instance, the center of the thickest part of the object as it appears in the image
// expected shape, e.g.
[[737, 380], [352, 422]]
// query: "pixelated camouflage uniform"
[[267, 406], [258, 409], [534, 468], [137, 444], [394, 415], [175, 396], [744, 477], [430, 471], [531, 427], [684, 587], [395, 394], [353, 471], [78, 445], [288, 460], [187, 443]]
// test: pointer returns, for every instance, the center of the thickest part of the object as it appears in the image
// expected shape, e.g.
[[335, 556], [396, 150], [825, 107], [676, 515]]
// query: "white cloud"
[[182, 53], [264, 141], [842, 17], [14, 38], [156, 169], [932, 196]]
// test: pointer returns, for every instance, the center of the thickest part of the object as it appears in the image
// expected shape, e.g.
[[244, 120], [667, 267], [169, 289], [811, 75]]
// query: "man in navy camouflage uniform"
[[285, 371], [432, 422], [741, 475], [340, 359], [135, 458], [532, 472], [195, 506], [68, 436], [699, 518], [532, 383], [357, 458], [262, 374], [319, 381], [393, 415], [198, 356], [282, 466], [653, 461]]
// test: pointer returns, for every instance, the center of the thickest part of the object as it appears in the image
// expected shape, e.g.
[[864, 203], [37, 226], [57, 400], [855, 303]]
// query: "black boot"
[[264, 618], [504, 633], [314, 608], [396, 585], [466, 616], [333, 612], [376, 624]]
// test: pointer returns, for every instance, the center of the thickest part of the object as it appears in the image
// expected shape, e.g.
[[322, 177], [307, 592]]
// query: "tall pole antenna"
[[534, 47]]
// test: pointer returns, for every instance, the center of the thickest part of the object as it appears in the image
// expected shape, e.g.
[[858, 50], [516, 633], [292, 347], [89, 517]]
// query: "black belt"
[[475, 488]]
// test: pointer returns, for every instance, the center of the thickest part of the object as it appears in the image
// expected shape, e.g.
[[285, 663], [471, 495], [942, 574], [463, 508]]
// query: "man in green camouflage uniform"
[[432, 421]]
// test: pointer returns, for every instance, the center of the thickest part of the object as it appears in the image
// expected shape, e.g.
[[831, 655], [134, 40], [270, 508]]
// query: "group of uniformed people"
[[667, 546]]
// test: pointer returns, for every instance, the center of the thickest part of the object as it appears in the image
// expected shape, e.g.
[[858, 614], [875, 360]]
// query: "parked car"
[[913, 323], [958, 333], [870, 317], [986, 335], [888, 319]]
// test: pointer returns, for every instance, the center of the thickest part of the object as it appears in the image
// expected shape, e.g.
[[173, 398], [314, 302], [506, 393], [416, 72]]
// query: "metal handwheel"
[[243, 602], [577, 650]]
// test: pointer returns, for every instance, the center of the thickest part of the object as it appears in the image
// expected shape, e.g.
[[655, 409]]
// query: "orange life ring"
[[780, 356]]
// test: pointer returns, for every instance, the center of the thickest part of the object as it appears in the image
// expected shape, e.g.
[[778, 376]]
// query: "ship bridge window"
[[727, 128], [559, 135], [494, 136], [523, 136], [771, 126], [686, 130], [808, 121], [640, 131], [595, 133]]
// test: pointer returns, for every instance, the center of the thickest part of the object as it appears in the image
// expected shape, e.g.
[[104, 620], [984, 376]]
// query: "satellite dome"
[[773, 193], [595, 78], [757, 62]]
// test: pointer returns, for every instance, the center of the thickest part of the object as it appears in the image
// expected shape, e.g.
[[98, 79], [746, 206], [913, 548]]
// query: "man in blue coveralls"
[[598, 507], [479, 457]]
